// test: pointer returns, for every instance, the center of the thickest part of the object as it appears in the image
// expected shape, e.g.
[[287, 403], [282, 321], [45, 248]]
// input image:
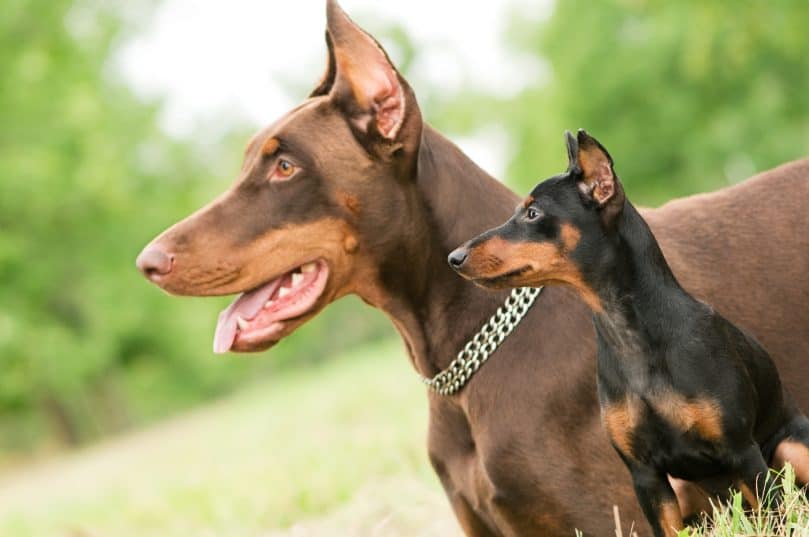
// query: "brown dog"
[[377, 199]]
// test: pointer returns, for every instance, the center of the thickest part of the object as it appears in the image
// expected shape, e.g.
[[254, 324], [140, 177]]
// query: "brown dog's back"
[[745, 250]]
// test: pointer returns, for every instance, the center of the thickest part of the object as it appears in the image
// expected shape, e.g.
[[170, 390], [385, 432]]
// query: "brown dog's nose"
[[457, 257], [153, 261]]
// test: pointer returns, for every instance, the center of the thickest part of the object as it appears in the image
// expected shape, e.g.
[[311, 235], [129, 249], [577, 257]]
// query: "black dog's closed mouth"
[[502, 278]]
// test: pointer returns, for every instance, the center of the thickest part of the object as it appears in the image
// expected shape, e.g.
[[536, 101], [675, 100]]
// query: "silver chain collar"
[[484, 343]]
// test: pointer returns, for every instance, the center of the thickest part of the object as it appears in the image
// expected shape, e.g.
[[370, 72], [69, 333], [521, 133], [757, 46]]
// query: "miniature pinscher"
[[683, 391]]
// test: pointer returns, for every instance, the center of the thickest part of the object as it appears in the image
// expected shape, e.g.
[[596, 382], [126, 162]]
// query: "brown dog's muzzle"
[[153, 262], [284, 275]]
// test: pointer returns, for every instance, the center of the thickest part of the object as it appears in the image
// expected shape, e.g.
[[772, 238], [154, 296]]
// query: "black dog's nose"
[[457, 257]]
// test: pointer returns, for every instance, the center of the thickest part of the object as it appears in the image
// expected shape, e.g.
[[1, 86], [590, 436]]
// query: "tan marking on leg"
[[691, 498], [620, 421], [701, 416], [749, 495], [797, 454], [671, 520]]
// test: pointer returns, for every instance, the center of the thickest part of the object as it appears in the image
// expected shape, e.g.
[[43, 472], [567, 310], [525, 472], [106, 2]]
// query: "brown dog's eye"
[[283, 170], [531, 214]]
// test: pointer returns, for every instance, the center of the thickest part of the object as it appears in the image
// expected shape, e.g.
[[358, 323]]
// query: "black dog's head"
[[559, 228]]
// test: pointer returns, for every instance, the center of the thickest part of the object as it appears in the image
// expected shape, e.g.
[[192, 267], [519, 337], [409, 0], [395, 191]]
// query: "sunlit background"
[[117, 119]]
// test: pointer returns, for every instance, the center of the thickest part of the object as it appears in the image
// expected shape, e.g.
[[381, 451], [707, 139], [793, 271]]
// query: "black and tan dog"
[[683, 391]]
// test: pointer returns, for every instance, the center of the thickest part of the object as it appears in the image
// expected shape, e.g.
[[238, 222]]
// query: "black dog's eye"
[[532, 214]]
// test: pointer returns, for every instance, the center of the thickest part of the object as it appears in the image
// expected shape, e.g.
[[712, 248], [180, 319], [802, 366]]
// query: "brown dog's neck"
[[434, 309]]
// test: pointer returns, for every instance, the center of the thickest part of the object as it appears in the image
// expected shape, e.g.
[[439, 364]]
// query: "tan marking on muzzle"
[[541, 263], [350, 202], [212, 263]]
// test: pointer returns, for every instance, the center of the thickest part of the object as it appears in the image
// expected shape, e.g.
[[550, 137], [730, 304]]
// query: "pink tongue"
[[246, 305]]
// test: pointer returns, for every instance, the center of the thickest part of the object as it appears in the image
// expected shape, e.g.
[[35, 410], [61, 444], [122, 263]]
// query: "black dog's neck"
[[639, 294]]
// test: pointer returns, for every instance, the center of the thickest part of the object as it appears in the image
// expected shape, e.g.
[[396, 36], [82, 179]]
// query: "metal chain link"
[[484, 343]]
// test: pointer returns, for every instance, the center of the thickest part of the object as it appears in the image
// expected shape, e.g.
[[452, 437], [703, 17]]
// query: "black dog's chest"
[[666, 430]]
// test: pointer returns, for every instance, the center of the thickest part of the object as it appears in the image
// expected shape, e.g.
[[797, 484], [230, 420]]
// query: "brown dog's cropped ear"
[[598, 180], [365, 82]]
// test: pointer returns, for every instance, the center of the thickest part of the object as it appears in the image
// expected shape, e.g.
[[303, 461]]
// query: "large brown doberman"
[[351, 192]]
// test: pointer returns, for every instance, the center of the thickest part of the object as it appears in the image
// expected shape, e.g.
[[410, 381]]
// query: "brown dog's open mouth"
[[258, 316]]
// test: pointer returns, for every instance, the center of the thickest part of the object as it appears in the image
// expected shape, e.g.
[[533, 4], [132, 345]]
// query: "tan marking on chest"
[[620, 420], [700, 416]]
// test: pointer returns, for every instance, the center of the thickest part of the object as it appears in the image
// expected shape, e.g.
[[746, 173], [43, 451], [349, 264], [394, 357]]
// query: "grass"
[[733, 519], [339, 446], [332, 449]]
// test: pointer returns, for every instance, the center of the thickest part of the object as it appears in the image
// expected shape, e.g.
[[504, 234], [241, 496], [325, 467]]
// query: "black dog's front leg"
[[657, 499], [753, 478]]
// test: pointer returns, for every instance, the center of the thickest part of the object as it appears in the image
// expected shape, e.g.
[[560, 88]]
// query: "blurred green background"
[[687, 96]]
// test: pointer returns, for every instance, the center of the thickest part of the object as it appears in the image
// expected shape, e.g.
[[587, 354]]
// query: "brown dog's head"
[[311, 205], [556, 232]]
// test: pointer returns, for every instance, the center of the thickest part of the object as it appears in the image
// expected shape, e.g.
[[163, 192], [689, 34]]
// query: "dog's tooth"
[[269, 303], [309, 267], [283, 291], [297, 278], [241, 322]]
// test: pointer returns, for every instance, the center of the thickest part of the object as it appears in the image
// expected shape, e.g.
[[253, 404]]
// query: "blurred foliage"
[[687, 96], [87, 178]]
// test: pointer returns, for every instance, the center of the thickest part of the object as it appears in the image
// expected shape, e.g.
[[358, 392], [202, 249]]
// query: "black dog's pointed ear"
[[598, 179], [572, 152]]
